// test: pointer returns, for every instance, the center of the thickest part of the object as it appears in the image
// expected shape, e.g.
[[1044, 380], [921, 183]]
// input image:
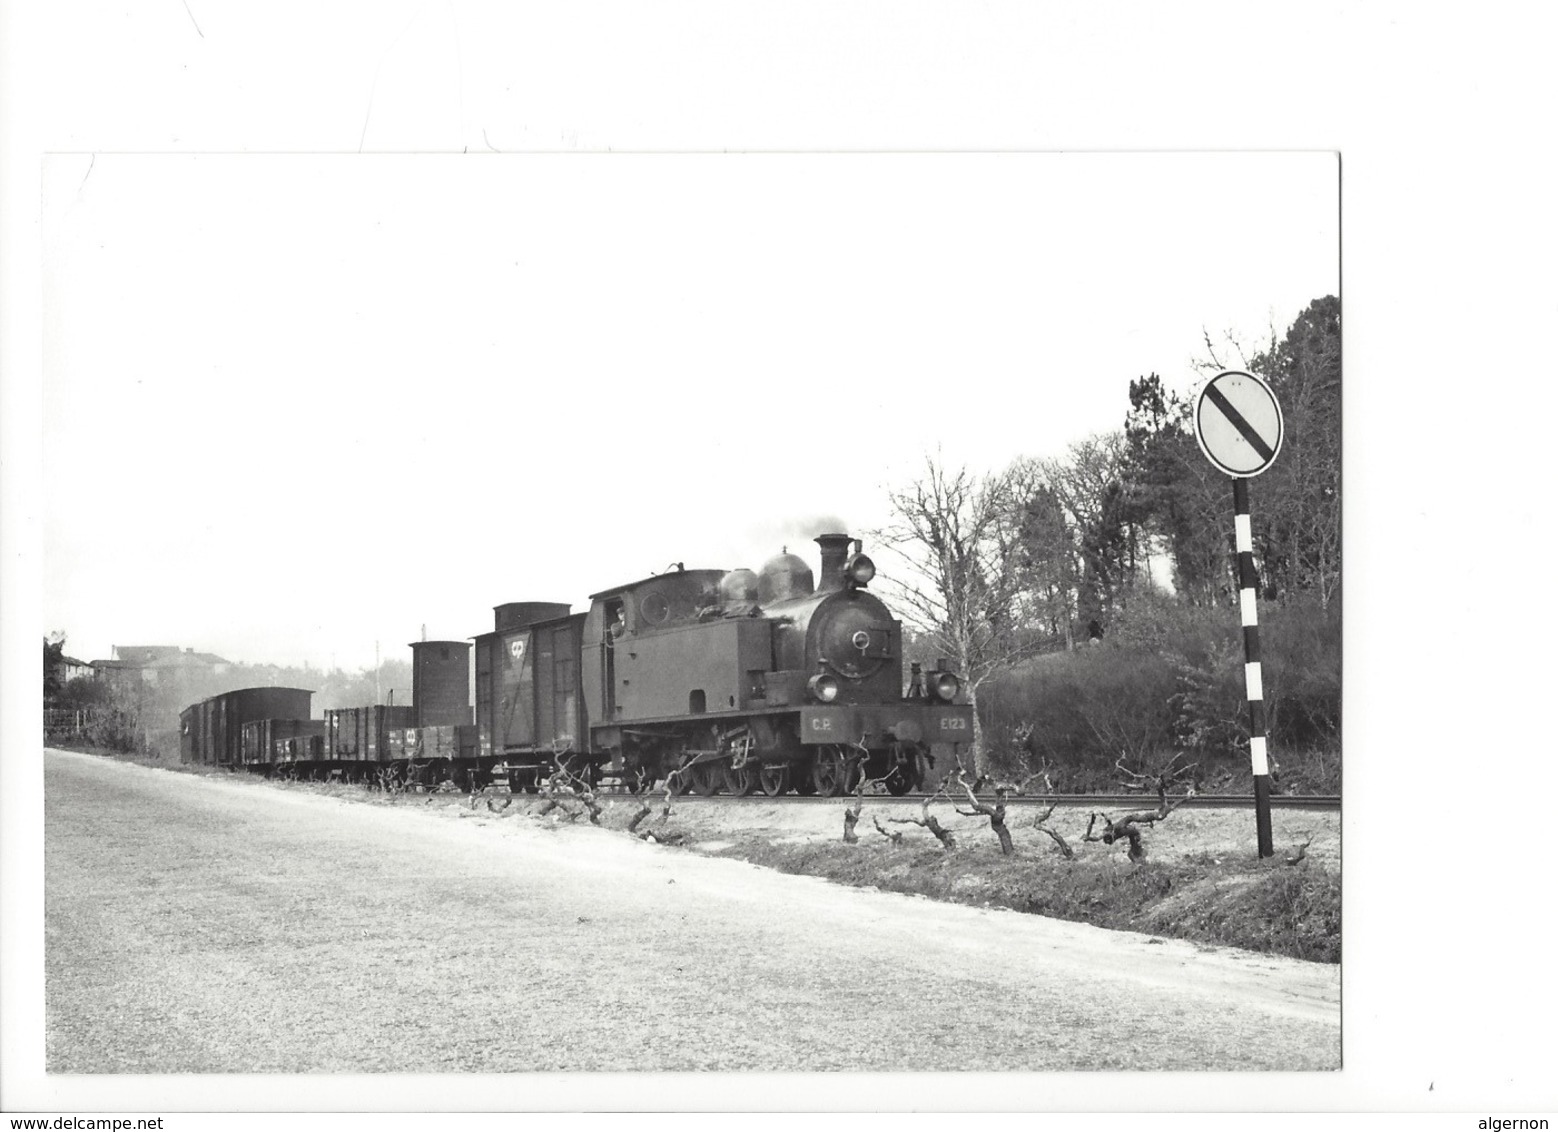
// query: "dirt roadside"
[[1202, 880], [207, 925]]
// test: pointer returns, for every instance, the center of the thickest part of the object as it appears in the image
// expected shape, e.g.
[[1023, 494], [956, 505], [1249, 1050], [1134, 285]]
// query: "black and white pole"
[[1238, 425], [1259, 767]]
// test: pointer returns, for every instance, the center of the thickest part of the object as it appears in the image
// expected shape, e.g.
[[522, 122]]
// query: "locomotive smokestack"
[[835, 552]]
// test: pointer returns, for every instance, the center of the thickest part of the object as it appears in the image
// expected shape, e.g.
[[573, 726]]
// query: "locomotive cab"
[[664, 652]]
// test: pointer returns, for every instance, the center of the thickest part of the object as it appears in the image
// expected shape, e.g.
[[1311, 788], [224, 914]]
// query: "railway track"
[[1097, 801]]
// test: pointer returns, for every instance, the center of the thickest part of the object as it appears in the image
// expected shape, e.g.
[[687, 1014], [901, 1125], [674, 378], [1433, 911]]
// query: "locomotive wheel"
[[739, 783], [827, 774], [704, 780], [900, 781], [774, 780]]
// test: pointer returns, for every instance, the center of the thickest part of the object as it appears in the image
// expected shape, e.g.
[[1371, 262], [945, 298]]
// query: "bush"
[[1302, 671], [1170, 677], [1083, 710]]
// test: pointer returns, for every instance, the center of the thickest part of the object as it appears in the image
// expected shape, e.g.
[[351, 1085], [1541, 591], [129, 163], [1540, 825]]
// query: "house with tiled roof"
[[72, 669], [144, 665], [139, 656]]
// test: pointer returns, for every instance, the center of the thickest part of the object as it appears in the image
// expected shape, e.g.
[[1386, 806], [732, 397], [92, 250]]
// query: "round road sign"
[[1238, 423]]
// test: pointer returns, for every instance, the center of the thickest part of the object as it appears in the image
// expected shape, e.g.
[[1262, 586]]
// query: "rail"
[[1097, 801]]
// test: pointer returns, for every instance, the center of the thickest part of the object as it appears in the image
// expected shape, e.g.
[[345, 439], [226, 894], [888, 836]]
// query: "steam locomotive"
[[704, 679]]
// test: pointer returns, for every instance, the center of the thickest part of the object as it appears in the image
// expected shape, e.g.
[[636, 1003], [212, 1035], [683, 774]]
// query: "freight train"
[[705, 680]]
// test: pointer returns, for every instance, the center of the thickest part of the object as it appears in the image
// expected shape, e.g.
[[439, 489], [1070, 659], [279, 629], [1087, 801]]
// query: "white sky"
[[295, 404]]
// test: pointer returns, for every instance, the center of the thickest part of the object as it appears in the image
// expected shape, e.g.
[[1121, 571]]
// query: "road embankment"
[[206, 925]]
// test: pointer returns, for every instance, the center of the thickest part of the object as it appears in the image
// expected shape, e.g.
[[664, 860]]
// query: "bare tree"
[[672, 784], [591, 804], [892, 835], [1163, 779], [995, 811], [1040, 823], [389, 780], [858, 798], [959, 537], [1110, 544], [852, 814], [1125, 826], [1080, 480], [640, 792], [562, 787], [552, 790], [927, 820]]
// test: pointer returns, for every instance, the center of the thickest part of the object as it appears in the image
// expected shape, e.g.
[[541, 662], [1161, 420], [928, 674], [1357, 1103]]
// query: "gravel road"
[[212, 925]]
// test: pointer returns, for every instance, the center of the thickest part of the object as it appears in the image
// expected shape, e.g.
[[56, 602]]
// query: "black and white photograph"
[[591, 603], [602, 566]]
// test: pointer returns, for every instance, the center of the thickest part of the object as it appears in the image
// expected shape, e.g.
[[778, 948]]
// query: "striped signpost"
[[1239, 427]]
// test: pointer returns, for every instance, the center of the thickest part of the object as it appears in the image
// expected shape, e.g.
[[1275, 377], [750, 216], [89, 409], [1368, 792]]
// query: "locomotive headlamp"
[[946, 686], [823, 687], [860, 570]]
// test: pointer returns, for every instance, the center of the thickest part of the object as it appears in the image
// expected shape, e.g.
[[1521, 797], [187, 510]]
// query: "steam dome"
[[784, 576], [739, 587]]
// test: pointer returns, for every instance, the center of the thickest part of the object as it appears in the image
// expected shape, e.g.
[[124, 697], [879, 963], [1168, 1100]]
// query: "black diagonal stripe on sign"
[[1246, 429]]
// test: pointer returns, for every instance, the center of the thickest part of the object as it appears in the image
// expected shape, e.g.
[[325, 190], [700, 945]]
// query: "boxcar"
[[527, 685], [420, 744], [211, 732], [269, 743], [361, 734]]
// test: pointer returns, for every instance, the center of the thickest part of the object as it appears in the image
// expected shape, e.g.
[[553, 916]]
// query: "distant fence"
[[67, 723]]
